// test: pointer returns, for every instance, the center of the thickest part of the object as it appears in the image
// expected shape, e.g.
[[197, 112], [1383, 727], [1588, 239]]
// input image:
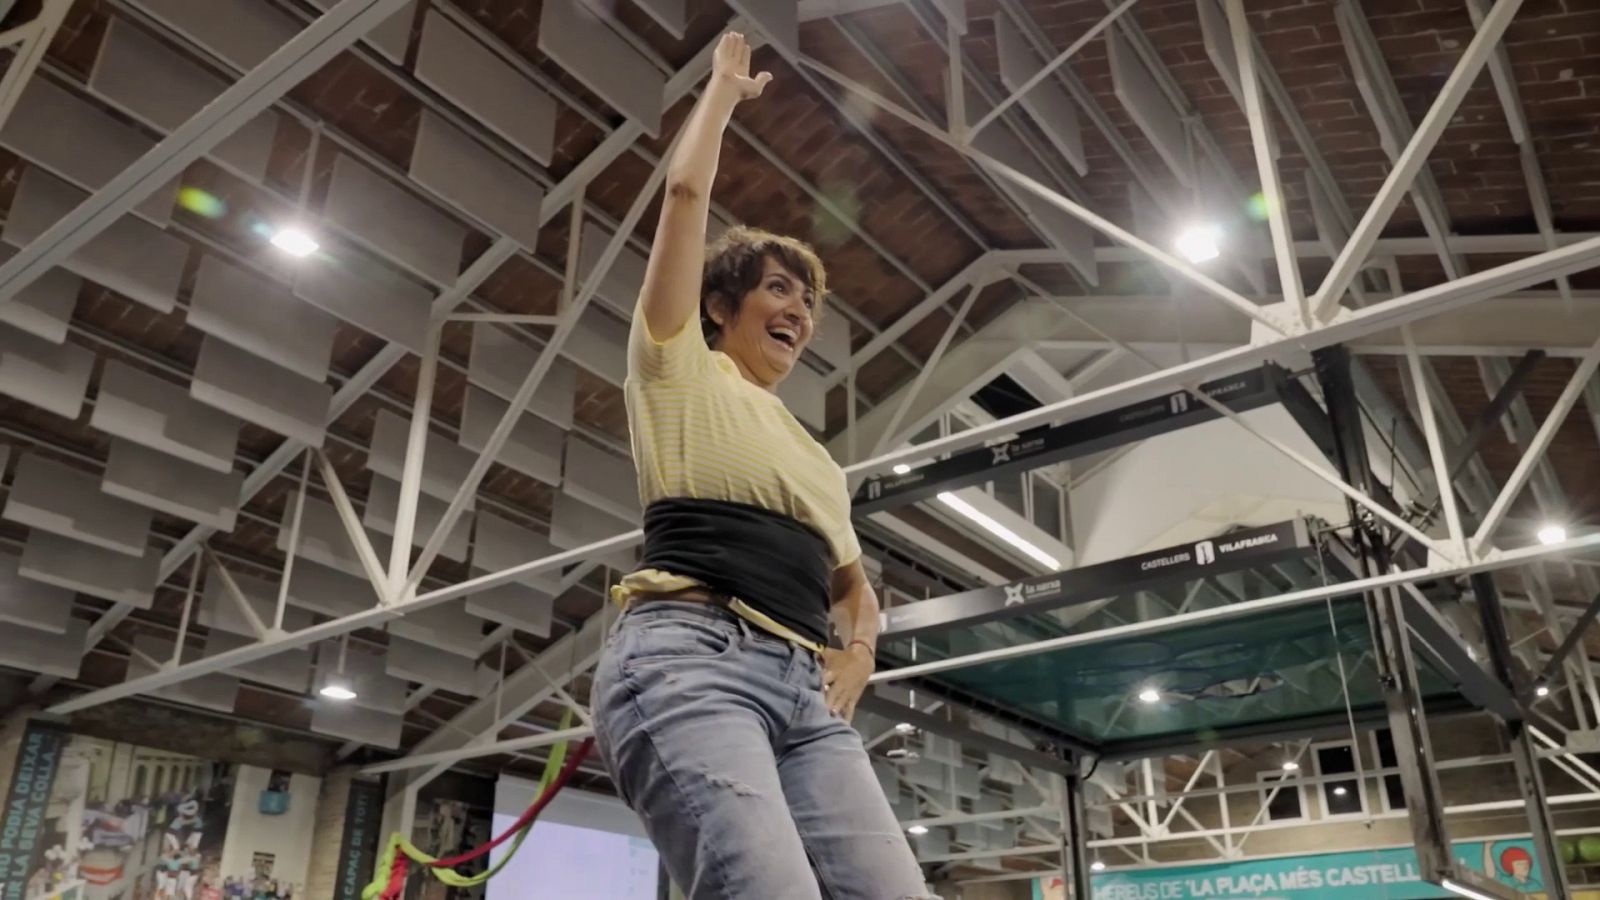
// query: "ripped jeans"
[[718, 736]]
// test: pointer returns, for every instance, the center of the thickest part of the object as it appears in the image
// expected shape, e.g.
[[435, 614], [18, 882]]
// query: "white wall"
[[1190, 484], [287, 836]]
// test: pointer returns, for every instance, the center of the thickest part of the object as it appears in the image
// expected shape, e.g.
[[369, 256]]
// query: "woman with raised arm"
[[720, 707]]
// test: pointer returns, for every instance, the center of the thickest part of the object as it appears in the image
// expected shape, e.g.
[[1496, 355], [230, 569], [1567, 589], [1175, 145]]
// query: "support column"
[[1396, 661], [1074, 838], [1524, 753]]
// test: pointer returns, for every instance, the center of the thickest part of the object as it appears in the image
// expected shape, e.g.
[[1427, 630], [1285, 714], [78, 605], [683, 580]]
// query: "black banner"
[[1072, 440], [1239, 550], [358, 849], [22, 822]]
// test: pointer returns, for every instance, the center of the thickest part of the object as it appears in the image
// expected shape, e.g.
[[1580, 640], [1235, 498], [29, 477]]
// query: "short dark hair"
[[735, 261]]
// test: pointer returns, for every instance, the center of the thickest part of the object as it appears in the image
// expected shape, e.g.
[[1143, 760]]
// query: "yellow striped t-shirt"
[[701, 431]]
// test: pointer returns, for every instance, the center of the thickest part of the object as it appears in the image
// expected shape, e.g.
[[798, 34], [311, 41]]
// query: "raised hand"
[[730, 66]]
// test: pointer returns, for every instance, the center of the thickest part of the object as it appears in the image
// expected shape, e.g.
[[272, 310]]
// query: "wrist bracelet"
[[871, 651]]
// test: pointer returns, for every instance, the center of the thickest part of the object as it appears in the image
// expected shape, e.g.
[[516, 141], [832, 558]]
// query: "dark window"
[[1285, 804], [1392, 788], [1047, 507], [1339, 798]]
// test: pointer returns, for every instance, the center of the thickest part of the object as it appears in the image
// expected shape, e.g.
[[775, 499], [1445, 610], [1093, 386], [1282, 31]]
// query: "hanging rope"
[[394, 866]]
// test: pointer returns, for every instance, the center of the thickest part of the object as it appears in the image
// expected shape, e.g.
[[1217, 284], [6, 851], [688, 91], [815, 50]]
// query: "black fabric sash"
[[770, 561]]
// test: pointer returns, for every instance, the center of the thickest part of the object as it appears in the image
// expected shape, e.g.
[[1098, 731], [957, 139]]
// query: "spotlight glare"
[[901, 468], [1200, 243], [917, 830], [1149, 695], [294, 242], [1552, 534], [337, 692], [1291, 766]]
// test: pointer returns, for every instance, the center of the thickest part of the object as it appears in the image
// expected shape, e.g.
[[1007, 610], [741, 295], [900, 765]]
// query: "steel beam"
[[1074, 839], [448, 758], [1178, 267], [569, 322], [1569, 643], [1380, 316], [1413, 158], [1266, 167], [1392, 634], [1520, 736], [1050, 67], [888, 436], [873, 703], [1534, 452]]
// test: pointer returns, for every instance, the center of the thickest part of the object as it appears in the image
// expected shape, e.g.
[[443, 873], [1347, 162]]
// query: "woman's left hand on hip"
[[844, 678]]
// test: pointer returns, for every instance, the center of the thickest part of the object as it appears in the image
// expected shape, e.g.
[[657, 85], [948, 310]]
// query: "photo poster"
[[1385, 874], [447, 826], [87, 817]]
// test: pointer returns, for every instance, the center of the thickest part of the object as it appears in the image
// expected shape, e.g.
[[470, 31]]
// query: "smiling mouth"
[[787, 338]]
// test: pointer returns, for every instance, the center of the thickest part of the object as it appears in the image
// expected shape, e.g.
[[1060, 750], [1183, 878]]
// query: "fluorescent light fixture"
[[917, 830], [1290, 765], [1552, 534], [905, 728], [1000, 531], [1542, 690], [1149, 695], [1457, 887], [294, 241], [901, 468], [1200, 243], [1097, 866]]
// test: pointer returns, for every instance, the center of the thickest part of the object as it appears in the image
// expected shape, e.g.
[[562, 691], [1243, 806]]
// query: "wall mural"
[[91, 819], [1382, 874]]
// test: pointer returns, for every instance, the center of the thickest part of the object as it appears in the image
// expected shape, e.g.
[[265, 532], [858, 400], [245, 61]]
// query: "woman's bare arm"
[[671, 292]]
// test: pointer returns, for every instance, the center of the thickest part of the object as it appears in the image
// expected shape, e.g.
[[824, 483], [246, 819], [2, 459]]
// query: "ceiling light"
[[1552, 534], [1291, 766], [900, 754], [294, 242], [1542, 690], [1150, 695], [1000, 531], [338, 688], [901, 468], [1457, 887], [1097, 866], [917, 830], [1340, 791], [905, 728], [1200, 243]]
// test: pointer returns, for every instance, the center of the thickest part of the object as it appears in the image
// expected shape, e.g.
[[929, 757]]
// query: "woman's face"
[[771, 327]]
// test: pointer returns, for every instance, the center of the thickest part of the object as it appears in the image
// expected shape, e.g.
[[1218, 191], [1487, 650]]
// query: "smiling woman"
[[723, 699]]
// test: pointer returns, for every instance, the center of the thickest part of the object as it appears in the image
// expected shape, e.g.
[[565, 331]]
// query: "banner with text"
[[1386, 874], [23, 831]]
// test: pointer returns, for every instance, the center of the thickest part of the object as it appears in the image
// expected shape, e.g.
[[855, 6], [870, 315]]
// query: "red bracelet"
[[871, 651]]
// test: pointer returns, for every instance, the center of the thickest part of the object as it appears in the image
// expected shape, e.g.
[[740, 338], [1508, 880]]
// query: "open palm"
[[731, 65]]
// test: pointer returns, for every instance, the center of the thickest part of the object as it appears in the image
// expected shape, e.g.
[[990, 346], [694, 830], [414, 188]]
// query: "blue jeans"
[[718, 736]]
